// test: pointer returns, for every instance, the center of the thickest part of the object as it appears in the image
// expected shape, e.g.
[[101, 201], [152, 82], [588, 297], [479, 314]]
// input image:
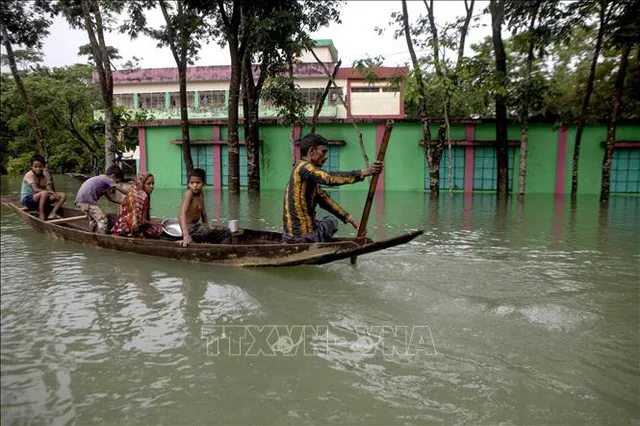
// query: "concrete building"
[[473, 141], [208, 89]]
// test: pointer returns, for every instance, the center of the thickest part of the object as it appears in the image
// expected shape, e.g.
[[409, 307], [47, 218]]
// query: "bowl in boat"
[[172, 228]]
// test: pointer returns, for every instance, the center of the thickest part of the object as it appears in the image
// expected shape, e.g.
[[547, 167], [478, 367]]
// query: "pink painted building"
[[208, 89]]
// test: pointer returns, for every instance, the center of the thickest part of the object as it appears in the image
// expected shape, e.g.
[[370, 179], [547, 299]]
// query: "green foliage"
[[284, 94], [556, 89], [20, 165], [366, 67], [184, 29], [65, 99], [131, 64], [85, 50], [26, 22], [567, 78], [108, 9], [24, 58]]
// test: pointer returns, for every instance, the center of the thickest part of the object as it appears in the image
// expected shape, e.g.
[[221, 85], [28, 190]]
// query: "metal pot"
[[171, 227]]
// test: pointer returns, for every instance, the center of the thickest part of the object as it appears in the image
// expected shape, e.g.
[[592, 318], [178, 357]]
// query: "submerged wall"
[[549, 159]]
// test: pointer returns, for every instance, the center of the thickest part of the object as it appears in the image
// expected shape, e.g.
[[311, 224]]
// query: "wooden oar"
[[66, 219], [362, 230]]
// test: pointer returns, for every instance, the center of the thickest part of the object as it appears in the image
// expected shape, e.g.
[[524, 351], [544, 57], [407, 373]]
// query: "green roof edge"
[[327, 42]]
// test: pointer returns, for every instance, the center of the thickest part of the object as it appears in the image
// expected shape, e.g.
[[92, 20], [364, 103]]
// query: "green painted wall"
[[542, 157], [627, 132], [200, 132], [164, 158], [405, 159], [276, 158], [590, 163]]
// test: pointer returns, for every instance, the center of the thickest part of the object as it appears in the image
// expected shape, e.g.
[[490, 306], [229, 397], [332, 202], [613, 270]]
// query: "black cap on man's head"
[[311, 140]]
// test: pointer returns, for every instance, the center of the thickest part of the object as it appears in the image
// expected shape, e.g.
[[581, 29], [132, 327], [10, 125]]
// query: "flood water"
[[522, 315]]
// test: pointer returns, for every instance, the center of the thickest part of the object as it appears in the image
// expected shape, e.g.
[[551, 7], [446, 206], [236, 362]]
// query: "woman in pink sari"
[[133, 219]]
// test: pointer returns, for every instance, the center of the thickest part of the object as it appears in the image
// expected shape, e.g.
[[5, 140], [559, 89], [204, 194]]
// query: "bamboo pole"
[[362, 229]]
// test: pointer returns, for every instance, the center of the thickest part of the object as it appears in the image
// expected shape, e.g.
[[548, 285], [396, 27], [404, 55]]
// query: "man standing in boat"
[[303, 193]]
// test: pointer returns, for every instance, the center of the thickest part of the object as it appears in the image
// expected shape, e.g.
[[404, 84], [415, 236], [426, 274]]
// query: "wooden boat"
[[250, 248]]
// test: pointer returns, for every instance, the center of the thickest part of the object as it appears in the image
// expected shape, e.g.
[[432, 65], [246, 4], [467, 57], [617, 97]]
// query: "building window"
[[625, 170], [485, 168], [124, 100], [334, 95], [458, 154], [212, 99], [391, 89], [174, 99], [242, 152], [311, 95], [202, 156], [333, 160], [364, 89], [151, 100]]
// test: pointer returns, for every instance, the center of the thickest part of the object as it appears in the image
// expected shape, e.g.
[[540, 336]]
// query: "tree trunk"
[[438, 147], [434, 167], [587, 98], [524, 138], [31, 112], [253, 146], [497, 15], [449, 152], [184, 118], [613, 122], [292, 143], [250, 106], [179, 51], [292, 131], [524, 119], [435, 158], [110, 135], [232, 136], [103, 66]]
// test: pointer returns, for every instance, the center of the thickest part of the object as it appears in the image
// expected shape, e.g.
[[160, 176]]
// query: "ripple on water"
[[551, 317], [226, 303]]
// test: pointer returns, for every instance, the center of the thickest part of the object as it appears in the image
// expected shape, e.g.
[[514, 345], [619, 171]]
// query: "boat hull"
[[251, 248]]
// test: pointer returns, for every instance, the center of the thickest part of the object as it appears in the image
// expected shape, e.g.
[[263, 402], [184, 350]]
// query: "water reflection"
[[531, 304]]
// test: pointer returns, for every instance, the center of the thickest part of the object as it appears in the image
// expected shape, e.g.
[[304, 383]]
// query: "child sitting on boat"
[[134, 217], [193, 214], [92, 190], [34, 194]]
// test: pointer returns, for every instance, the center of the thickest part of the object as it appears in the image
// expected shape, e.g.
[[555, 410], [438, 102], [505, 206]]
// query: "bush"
[[19, 165]]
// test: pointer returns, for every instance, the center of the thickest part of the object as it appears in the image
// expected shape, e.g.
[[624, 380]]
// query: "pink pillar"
[[379, 215], [217, 167], [468, 211], [468, 159], [561, 165], [296, 136], [348, 100], [217, 201], [142, 147], [558, 213], [217, 159]]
